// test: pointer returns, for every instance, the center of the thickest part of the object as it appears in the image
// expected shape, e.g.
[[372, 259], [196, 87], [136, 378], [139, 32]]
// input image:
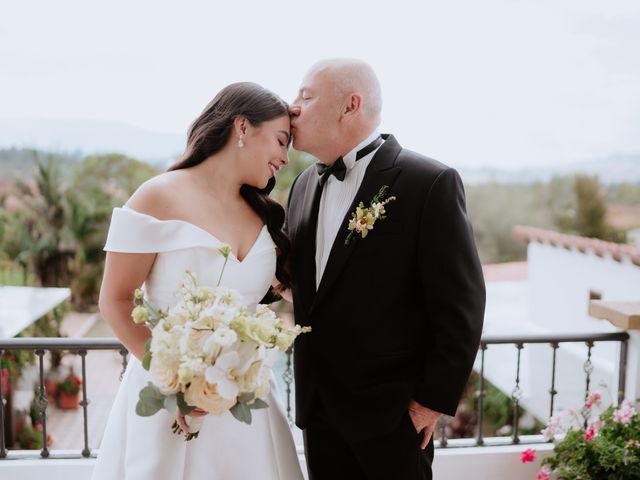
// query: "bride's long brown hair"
[[210, 132]]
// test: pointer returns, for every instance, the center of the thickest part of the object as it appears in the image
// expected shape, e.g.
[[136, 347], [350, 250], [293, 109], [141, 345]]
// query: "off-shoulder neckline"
[[202, 230]]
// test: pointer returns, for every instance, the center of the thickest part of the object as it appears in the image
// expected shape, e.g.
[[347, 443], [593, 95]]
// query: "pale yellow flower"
[[140, 315], [363, 219], [284, 341], [225, 250]]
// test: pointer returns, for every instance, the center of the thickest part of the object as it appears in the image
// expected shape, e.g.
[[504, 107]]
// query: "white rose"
[[240, 326], [205, 395], [264, 386], [261, 331], [165, 376], [257, 380]]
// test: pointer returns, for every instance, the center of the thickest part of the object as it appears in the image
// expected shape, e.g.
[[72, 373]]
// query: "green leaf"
[[151, 400], [171, 403], [380, 195], [258, 403], [155, 314], [185, 408], [242, 413], [146, 360]]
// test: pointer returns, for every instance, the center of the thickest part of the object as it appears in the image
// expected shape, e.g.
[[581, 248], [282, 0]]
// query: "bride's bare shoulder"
[[160, 196]]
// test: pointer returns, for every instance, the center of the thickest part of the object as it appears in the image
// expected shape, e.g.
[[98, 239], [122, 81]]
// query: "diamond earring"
[[240, 141]]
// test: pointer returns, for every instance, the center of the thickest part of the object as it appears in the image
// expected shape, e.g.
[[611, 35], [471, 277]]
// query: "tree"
[[298, 161], [111, 174], [579, 207], [560, 202], [591, 209], [37, 230], [626, 193], [60, 228], [495, 208], [98, 184]]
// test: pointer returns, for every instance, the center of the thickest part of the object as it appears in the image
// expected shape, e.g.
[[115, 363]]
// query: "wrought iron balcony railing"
[[82, 346]]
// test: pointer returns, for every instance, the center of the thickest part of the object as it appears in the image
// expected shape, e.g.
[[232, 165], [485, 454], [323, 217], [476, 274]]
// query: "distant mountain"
[[20, 163], [614, 169], [90, 136], [81, 137]]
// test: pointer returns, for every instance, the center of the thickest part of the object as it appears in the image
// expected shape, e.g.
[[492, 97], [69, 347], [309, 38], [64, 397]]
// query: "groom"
[[395, 298]]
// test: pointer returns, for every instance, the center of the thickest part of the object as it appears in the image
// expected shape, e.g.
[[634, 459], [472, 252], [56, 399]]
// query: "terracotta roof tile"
[[618, 251], [504, 272]]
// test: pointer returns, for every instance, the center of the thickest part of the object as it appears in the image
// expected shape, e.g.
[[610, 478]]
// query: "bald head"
[[349, 76], [338, 105]]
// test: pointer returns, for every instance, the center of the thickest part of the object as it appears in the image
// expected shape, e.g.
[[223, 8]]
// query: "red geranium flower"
[[591, 432], [528, 455], [5, 382]]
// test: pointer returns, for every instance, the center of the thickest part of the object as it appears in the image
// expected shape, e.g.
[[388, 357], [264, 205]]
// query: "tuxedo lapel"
[[307, 233], [381, 171]]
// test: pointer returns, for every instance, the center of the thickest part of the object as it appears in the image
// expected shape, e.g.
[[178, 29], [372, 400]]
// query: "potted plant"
[[590, 446], [53, 376], [30, 438], [12, 364], [69, 392], [29, 428]]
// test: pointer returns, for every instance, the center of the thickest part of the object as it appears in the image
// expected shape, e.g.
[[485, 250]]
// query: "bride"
[[217, 192]]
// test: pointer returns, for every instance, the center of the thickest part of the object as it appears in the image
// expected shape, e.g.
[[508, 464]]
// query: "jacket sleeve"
[[454, 292]]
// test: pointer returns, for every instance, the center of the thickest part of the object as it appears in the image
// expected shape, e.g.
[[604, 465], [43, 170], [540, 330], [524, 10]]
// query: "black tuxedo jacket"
[[398, 315]]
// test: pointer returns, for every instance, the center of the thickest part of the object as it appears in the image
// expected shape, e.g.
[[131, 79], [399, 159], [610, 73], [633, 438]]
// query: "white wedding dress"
[[144, 448]]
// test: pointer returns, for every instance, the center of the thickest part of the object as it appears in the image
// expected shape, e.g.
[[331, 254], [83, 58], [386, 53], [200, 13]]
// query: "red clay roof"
[[504, 272], [618, 251]]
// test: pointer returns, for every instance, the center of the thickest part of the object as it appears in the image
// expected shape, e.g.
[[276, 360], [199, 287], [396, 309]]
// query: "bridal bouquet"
[[208, 351]]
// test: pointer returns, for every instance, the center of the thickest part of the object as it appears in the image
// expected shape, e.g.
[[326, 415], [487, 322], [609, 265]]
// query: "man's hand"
[[424, 420]]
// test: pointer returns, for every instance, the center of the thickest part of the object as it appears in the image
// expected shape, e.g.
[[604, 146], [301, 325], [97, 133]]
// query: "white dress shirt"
[[336, 199]]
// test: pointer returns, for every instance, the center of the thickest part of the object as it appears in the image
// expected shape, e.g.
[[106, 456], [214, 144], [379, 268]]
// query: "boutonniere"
[[363, 219]]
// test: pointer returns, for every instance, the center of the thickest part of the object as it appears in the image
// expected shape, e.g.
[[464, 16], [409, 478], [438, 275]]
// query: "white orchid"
[[222, 375]]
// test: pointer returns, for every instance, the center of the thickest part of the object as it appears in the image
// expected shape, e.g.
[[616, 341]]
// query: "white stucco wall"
[[559, 284]]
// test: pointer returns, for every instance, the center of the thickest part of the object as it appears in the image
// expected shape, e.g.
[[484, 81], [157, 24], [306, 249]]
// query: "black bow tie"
[[339, 169]]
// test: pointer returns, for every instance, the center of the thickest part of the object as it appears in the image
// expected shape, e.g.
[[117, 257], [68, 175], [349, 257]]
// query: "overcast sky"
[[472, 83]]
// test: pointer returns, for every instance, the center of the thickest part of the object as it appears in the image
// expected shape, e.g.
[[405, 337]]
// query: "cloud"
[[502, 83]]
